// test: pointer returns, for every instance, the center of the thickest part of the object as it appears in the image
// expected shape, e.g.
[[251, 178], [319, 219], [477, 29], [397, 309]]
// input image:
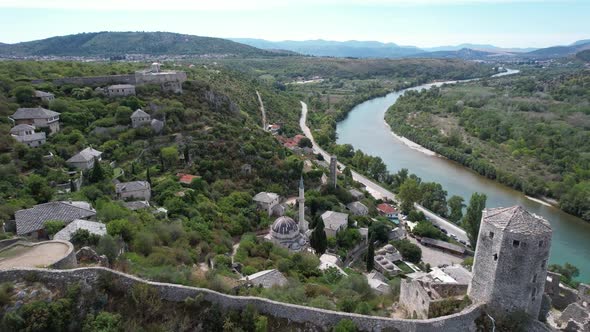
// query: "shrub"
[[103, 322], [53, 226], [5, 293], [345, 325]]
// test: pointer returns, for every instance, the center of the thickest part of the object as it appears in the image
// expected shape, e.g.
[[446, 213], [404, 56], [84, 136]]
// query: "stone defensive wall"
[[323, 319], [92, 80]]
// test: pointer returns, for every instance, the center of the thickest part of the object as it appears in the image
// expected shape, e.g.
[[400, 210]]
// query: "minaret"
[[333, 171], [301, 201]]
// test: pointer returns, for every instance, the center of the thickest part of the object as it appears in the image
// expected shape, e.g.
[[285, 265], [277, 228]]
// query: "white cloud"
[[216, 5]]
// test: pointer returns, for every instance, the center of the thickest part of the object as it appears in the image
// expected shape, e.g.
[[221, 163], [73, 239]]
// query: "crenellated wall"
[[323, 319]]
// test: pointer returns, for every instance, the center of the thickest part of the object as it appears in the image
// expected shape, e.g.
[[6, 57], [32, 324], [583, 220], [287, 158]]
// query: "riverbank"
[[365, 130]]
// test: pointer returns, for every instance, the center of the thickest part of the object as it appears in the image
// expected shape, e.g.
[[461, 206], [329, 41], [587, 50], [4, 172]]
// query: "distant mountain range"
[[121, 43], [166, 43], [374, 49]]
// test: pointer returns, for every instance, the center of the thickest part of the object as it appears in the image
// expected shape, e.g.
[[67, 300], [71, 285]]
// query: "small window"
[[495, 257], [416, 293], [535, 278], [422, 302], [534, 292], [540, 243], [516, 243], [544, 263], [491, 235]]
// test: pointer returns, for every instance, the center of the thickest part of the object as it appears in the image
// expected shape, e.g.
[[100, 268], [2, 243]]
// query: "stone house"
[[93, 227], [334, 222], [84, 159], [30, 222], [38, 117], [378, 282], [356, 194], [133, 190], [44, 96], [25, 134], [265, 279], [140, 118], [121, 90], [422, 296], [266, 201], [358, 208], [331, 261], [443, 246]]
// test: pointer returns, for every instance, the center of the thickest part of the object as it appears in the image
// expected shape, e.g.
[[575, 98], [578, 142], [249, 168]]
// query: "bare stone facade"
[[510, 265]]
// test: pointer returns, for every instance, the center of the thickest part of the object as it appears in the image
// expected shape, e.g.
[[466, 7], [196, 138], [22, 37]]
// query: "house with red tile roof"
[[186, 178], [387, 210]]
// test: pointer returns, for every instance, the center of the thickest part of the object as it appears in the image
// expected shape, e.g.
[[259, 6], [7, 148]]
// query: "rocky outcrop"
[[88, 255]]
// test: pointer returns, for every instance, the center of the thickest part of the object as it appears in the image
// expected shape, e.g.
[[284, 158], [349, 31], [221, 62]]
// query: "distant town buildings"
[[30, 222], [38, 117], [133, 190], [24, 133], [84, 159]]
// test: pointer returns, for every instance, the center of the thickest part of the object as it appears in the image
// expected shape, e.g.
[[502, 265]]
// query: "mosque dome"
[[285, 228]]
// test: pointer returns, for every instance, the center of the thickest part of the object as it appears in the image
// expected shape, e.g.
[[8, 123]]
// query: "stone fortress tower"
[[510, 265], [303, 225]]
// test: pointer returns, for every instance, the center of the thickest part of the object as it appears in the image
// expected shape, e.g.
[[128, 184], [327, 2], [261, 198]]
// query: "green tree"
[[108, 246], [148, 178], [472, 218], [103, 322], [409, 251], [169, 155], [97, 173], [319, 241], [409, 193], [24, 94], [456, 205], [37, 187], [53, 226]]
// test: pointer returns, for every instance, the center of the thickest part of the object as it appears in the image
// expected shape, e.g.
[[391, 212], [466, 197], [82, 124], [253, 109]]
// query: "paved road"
[[375, 189], [262, 110]]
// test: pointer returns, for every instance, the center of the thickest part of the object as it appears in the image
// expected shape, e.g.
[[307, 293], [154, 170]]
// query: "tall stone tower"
[[510, 264], [333, 171], [303, 225]]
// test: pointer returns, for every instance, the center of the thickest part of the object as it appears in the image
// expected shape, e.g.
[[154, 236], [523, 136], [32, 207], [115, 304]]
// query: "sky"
[[422, 23]]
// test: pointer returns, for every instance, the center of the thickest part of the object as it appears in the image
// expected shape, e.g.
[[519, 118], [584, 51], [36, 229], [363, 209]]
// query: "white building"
[[266, 201], [133, 190], [121, 90], [93, 227], [26, 134], [140, 118], [334, 222], [38, 117], [84, 159], [44, 96]]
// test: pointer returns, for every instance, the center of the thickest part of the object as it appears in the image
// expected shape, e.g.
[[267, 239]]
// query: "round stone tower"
[[510, 264]]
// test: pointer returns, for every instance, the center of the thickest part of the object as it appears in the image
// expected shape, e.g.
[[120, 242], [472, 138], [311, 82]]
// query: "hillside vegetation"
[[121, 43], [529, 131]]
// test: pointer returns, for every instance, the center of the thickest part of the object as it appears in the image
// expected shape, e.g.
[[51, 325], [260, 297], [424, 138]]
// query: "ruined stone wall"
[[414, 299], [97, 80], [449, 290], [561, 296], [323, 319]]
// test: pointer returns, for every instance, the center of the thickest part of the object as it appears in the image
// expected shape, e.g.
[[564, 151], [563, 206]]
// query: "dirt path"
[[262, 110]]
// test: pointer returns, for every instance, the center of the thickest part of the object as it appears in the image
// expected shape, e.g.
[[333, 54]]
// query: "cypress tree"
[[319, 241], [472, 218], [148, 178], [97, 174], [371, 255]]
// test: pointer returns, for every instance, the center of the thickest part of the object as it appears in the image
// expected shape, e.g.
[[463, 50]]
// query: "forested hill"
[[121, 43]]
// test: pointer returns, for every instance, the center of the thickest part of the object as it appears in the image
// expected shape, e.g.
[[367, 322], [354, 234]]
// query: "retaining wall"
[[324, 319]]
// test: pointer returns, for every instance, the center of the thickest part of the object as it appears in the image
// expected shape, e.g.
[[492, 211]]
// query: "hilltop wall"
[[323, 319]]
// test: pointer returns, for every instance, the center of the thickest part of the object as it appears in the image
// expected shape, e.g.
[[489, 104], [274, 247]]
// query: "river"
[[365, 129]]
